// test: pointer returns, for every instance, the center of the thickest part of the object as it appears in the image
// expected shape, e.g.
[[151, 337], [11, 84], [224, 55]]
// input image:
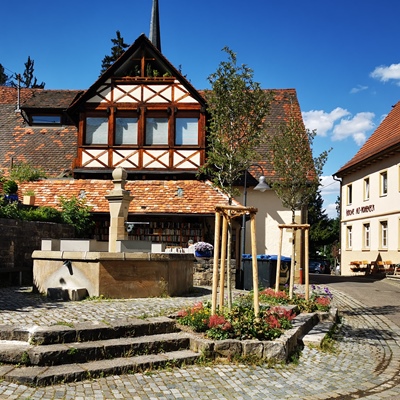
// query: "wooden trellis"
[[294, 228], [228, 213]]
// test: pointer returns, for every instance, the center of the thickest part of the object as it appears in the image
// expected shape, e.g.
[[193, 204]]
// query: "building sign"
[[360, 210]]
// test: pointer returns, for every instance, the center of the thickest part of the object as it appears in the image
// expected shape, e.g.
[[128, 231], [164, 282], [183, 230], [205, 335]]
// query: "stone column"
[[119, 200]]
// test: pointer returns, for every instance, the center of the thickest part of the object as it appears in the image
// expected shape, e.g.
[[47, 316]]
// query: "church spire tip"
[[155, 26]]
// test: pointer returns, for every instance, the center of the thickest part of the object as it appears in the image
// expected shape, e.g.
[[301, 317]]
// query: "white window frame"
[[383, 177], [384, 234], [367, 235], [349, 238], [349, 194], [367, 188]]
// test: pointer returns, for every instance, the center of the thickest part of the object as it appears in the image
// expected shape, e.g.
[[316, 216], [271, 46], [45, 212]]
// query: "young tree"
[[237, 107], [27, 79], [323, 232], [116, 51], [297, 172]]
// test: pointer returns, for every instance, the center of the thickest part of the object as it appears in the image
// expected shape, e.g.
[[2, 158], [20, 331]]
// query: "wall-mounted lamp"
[[262, 185]]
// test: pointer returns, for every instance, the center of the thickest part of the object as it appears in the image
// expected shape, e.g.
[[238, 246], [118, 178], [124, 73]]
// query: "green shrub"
[[239, 323], [24, 172], [76, 212], [242, 323], [196, 317], [10, 187]]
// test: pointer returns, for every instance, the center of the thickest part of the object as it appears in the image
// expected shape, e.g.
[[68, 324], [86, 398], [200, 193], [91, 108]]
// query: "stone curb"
[[280, 349]]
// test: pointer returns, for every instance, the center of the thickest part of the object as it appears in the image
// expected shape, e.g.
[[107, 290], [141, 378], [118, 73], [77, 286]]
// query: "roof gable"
[[141, 60], [385, 139]]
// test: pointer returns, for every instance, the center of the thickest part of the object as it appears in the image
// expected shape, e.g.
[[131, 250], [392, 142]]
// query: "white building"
[[370, 201]]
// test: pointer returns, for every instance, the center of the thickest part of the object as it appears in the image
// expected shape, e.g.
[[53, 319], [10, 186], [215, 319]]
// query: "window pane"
[[366, 235], [156, 131], [46, 119], [126, 130], [96, 130], [366, 189], [349, 194], [186, 131], [384, 182], [349, 237], [384, 233]]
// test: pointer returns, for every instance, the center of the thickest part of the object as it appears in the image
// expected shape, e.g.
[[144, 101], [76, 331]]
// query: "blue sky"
[[341, 56]]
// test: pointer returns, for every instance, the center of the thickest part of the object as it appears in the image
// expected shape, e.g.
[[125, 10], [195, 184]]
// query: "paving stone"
[[365, 364]]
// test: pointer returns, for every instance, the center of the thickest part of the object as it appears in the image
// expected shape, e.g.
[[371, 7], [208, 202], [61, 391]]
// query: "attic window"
[[46, 119]]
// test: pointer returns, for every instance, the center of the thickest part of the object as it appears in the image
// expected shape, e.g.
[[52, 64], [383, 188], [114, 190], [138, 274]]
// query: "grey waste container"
[[266, 271]]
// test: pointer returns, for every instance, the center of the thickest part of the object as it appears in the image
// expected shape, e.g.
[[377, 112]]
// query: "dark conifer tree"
[[117, 50]]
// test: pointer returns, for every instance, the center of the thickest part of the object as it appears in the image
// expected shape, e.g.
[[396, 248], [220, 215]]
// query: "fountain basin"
[[114, 275]]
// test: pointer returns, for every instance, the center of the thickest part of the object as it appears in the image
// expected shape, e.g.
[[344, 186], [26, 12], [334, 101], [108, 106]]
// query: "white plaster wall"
[[378, 208], [271, 213]]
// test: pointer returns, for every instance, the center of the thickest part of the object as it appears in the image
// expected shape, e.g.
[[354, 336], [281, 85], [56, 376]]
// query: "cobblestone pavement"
[[366, 362]]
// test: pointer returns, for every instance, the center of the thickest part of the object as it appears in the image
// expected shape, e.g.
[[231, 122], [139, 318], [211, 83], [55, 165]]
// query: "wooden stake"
[[307, 268], [216, 262], [254, 263], [291, 283], [278, 263], [223, 258]]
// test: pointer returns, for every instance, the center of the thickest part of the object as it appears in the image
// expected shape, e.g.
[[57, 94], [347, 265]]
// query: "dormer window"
[[46, 119]]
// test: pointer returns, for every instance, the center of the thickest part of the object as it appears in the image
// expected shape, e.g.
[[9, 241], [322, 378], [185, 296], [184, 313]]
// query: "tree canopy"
[[238, 108], [117, 50], [297, 171]]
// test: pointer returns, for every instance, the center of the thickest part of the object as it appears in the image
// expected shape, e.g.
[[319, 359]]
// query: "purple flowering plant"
[[203, 246]]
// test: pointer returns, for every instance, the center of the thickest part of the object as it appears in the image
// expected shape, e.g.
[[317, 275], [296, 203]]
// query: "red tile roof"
[[150, 197], [384, 140], [52, 149]]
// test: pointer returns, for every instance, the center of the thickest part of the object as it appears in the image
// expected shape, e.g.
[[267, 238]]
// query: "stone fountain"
[[74, 269]]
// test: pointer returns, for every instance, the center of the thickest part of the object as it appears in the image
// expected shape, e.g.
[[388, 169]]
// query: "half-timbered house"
[[143, 115]]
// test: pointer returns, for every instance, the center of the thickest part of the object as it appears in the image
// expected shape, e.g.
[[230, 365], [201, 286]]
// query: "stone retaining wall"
[[18, 241], [203, 273]]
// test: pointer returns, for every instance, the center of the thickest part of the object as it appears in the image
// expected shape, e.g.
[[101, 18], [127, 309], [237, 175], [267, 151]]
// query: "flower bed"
[[276, 314]]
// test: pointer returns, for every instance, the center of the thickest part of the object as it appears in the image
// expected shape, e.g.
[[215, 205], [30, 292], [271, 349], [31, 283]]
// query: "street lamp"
[[262, 187]]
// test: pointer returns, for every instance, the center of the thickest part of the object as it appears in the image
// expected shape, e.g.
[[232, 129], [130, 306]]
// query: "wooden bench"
[[355, 266]]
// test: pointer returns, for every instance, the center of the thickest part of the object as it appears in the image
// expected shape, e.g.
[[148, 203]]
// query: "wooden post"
[[216, 262], [291, 282], [223, 258], [254, 263], [278, 263], [306, 267]]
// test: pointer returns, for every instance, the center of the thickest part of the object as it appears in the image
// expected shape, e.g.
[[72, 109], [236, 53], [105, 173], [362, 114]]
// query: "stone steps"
[[78, 352], [48, 355], [44, 376]]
